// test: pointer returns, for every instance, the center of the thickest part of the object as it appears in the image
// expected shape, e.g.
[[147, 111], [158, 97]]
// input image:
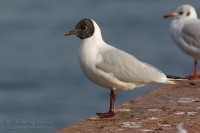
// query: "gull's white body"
[[185, 31], [112, 68]]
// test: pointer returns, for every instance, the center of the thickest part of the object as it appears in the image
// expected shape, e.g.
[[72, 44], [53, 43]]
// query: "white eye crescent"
[[85, 27]]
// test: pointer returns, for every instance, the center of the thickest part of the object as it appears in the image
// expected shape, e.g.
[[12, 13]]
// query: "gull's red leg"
[[114, 100], [111, 111], [195, 68]]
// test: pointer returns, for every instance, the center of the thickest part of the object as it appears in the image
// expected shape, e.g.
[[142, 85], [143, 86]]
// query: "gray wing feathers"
[[127, 68], [191, 34]]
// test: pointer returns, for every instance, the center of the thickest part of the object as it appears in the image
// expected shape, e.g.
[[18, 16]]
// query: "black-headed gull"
[[185, 31], [110, 67]]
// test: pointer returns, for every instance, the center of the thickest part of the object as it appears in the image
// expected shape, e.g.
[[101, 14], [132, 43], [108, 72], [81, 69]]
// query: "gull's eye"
[[180, 13], [84, 28], [188, 13]]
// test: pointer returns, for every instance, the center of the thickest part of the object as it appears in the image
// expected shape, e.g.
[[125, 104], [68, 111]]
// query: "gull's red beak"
[[171, 15], [73, 32]]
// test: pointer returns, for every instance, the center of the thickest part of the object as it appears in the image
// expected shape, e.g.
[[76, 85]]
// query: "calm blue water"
[[42, 88]]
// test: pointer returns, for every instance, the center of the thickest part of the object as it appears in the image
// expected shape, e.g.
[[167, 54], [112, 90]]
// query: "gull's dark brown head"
[[84, 29]]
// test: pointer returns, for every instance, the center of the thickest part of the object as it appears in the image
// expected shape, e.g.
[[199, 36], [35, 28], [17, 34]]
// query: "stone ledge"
[[159, 111]]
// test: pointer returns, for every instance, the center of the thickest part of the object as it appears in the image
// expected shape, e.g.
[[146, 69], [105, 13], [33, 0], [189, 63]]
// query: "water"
[[42, 88]]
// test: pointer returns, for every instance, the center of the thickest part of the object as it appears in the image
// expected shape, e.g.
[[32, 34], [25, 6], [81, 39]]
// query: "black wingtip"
[[176, 77]]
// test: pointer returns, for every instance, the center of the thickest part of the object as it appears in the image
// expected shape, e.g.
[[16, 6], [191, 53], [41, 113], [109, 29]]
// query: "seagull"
[[110, 67], [185, 31]]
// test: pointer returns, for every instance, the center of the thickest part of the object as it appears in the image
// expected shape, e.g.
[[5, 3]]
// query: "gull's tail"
[[177, 79]]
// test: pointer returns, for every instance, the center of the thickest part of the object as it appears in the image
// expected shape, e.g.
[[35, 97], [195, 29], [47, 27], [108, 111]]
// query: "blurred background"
[[40, 78]]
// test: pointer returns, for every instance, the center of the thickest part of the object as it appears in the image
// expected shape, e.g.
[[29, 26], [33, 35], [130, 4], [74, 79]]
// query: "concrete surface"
[[170, 109]]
